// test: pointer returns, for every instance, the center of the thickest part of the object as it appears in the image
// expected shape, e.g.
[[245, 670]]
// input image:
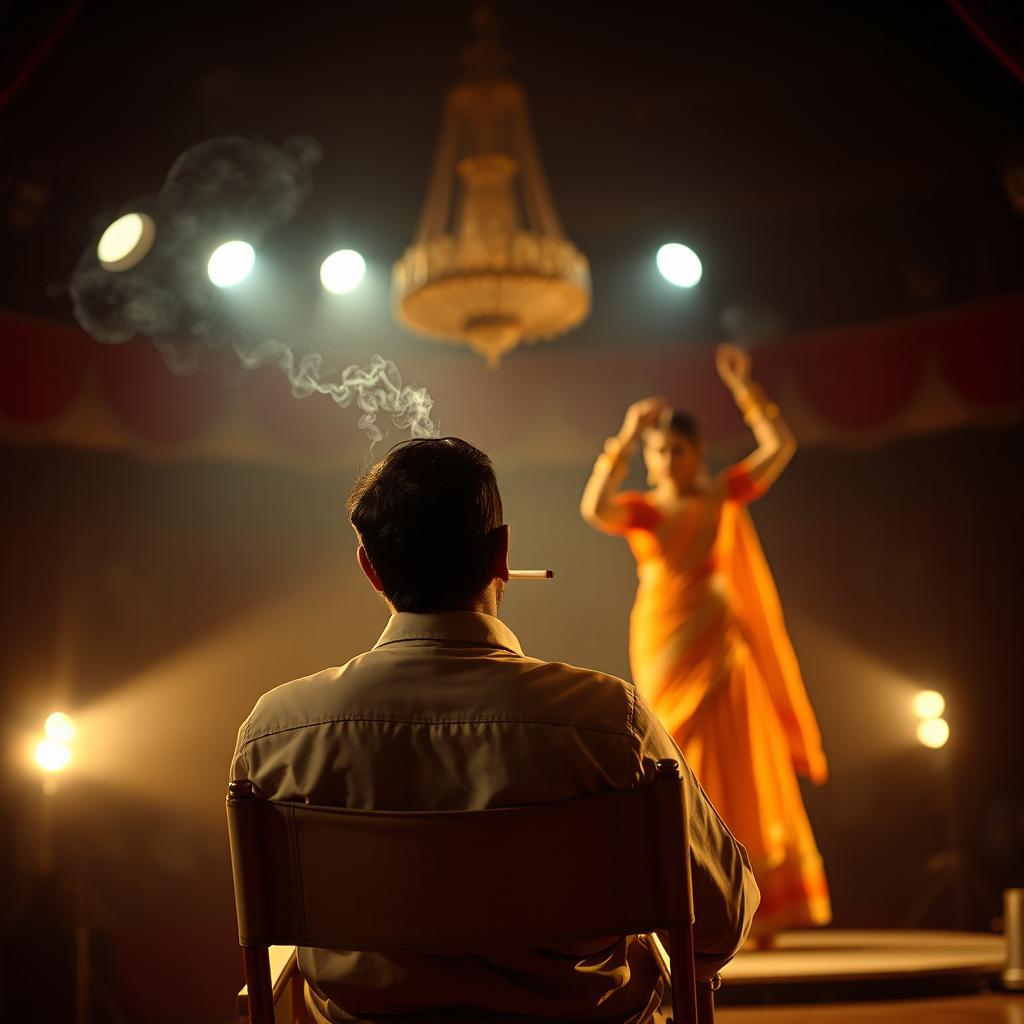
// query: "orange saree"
[[710, 653]]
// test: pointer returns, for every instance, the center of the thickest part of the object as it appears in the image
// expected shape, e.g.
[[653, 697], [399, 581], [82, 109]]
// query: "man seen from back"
[[446, 712]]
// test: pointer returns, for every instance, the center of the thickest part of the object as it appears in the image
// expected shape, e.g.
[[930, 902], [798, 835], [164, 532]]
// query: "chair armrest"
[[283, 972]]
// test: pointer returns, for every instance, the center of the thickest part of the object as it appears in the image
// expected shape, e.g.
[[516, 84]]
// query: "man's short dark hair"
[[426, 514]]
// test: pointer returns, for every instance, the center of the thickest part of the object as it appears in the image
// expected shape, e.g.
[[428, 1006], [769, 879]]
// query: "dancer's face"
[[670, 456]]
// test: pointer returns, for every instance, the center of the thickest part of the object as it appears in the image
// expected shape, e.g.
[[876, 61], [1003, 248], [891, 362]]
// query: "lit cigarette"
[[531, 574]]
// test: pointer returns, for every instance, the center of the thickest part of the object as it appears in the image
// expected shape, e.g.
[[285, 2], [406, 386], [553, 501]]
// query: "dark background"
[[833, 165]]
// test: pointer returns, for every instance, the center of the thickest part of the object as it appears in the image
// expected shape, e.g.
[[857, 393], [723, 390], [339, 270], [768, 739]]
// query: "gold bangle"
[[610, 466], [756, 413], [617, 449], [755, 404], [614, 454], [745, 403]]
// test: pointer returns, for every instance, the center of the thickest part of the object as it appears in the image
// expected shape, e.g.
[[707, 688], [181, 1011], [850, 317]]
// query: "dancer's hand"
[[639, 416], [733, 365]]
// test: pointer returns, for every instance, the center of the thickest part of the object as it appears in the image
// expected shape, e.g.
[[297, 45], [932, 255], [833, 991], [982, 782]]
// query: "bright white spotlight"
[[342, 271], [52, 755], [125, 243], [929, 704], [933, 732], [679, 265], [60, 727], [231, 263]]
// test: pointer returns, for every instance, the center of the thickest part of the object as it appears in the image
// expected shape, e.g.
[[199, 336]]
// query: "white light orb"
[[60, 727], [933, 732], [679, 265], [929, 704], [52, 755], [125, 243], [231, 263], [342, 271]]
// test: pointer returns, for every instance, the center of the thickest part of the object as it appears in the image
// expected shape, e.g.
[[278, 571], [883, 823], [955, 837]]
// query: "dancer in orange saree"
[[708, 645]]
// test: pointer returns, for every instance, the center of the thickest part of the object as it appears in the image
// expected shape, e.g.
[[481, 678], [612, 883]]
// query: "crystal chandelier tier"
[[490, 266]]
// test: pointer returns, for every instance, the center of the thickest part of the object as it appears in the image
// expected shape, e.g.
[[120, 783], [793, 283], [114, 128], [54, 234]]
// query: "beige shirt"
[[447, 713]]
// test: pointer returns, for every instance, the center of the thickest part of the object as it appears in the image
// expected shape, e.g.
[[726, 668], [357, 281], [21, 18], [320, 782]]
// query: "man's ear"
[[367, 566], [499, 553]]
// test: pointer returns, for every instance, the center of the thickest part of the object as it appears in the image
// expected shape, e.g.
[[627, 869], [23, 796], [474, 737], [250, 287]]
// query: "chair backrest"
[[606, 865]]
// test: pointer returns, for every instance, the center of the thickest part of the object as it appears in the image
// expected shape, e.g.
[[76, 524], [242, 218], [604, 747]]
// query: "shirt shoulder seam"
[[334, 720], [632, 710]]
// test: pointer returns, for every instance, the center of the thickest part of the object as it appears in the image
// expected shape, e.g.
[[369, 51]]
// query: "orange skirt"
[[731, 735]]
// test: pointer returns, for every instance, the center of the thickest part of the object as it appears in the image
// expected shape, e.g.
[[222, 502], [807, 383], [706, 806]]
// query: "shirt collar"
[[467, 627]]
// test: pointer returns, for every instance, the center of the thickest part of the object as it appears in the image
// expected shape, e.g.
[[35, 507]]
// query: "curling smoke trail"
[[377, 388], [224, 188]]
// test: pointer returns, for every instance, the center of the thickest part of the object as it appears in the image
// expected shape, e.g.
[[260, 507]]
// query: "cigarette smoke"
[[376, 388], [217, 190]]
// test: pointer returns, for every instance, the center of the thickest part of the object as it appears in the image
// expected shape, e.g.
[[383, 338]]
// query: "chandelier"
[[489, 267]]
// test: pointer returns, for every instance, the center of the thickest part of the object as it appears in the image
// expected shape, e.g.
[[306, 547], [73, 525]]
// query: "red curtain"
[[855, 378], [154, 403], [43, 367]]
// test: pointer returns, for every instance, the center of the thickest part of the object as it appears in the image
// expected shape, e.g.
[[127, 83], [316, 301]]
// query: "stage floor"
[[977, 1009], [832, 965]]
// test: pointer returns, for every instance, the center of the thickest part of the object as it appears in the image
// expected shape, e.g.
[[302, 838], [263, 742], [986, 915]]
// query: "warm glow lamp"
[[52, 755], [53, 752], [60, 727], [929, 704], [933, 733]]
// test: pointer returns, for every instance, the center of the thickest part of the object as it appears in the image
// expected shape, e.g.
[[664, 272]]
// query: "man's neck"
[[485, 603]]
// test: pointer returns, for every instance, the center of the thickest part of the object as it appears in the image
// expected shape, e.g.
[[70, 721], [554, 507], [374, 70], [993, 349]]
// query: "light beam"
[[231, 263], [679, 265], [342, 271], [126, 242]]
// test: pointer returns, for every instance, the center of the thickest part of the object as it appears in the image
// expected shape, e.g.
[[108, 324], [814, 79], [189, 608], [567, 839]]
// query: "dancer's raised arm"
[[775, 442], [598, 506]]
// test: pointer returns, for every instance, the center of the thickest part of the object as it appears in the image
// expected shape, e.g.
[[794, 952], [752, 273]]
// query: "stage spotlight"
[[231, 263], [929, 704], [342, 271], [52, 755], [125, 243], [679, 265], [933, 733], [60, 727]]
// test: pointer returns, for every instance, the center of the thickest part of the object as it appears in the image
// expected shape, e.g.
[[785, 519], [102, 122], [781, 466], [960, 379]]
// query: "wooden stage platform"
[[828, 965], [994, 1008]]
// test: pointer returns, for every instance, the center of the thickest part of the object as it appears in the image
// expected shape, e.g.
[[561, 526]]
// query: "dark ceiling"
[[831, 162]]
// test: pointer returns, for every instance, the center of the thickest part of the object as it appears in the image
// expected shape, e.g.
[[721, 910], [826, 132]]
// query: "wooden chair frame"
[[599, 866]]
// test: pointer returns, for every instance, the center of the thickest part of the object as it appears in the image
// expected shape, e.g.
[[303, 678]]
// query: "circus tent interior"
[[175, 541]]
